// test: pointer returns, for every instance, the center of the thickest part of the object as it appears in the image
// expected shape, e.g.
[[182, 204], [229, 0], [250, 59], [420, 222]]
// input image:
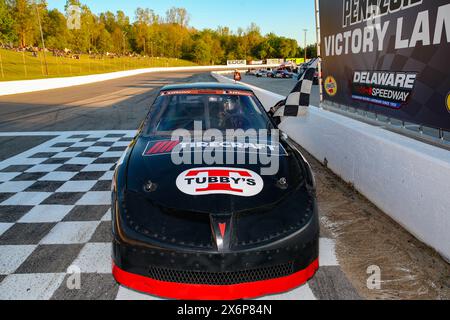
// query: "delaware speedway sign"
[[389, 57]]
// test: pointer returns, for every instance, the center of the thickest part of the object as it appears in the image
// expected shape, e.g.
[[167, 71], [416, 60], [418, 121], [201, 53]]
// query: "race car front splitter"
[[183, 291]]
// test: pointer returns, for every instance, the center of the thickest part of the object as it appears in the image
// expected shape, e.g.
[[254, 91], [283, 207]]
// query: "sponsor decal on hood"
[[228, 181], [166, 147]]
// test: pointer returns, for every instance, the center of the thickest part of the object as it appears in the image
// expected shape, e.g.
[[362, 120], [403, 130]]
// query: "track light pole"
[[305, 30], [42, 37], [318, 40]]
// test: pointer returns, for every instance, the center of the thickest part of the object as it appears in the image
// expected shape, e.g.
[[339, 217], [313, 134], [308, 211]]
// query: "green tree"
[[72, 3], [109, 21], [202, 52], [149, 34], [311, 51], [141, 29], [23, 24], [178, 16], [7, 32], [104, 41], [120, 30], [264, 50], [55, 30]]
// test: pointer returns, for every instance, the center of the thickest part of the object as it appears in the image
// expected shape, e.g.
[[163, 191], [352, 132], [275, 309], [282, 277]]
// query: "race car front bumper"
[[178, 273], [183, 291]]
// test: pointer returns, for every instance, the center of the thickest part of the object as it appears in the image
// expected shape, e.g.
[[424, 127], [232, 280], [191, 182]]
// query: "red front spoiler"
[[184, 291]]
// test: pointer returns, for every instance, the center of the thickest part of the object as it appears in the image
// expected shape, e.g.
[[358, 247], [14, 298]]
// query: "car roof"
[[206, 85]]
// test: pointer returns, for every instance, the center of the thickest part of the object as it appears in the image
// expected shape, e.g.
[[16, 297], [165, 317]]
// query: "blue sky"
[[286, 17]]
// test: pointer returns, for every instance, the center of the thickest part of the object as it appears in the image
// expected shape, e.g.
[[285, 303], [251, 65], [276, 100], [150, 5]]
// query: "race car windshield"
[[214, 111]]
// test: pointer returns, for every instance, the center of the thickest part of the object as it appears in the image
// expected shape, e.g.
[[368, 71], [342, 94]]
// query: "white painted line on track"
[[4, 227], [130, 295], [71, 233], [93, 198], [40, 286], [13, 256], [95, 258], [327, 248], [26, 199], [303, 293], [46, 213]]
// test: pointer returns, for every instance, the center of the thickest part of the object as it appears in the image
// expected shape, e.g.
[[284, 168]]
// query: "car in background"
[[262, 73], [282, 74], [251, 72]]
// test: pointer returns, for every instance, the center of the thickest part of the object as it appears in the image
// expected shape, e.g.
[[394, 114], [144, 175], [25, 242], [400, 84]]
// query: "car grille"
[[221, 278]]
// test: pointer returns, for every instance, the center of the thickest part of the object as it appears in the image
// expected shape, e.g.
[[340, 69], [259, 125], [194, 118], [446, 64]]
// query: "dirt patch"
[[365, 236]]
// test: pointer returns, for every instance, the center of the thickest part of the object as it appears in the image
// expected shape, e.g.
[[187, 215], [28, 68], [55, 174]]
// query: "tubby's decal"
[[229, 181]]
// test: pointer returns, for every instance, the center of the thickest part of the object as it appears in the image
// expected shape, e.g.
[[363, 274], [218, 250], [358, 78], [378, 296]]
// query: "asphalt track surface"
[[61, 145]]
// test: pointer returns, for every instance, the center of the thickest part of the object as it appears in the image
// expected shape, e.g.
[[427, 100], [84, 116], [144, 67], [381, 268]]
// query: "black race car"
[[193, 229]]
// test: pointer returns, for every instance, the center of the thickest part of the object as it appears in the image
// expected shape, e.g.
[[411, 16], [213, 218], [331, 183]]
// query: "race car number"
[[231, 181]]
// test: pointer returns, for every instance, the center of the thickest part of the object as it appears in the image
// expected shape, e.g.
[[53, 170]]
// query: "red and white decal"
[[160, 147], [207, 92], [231, 181], [223, 229]]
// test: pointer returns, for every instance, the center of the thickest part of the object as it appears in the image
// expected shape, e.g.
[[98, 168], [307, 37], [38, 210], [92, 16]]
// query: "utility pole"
[[145, 47], [1, 66], [42, 38], [124, 34], [305, 30], [318, 40]]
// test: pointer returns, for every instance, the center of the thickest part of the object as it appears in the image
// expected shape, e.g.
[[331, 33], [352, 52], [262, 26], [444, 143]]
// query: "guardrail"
[[409, 180], [25, 86]]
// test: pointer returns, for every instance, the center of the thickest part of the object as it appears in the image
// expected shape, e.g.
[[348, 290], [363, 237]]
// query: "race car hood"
[[155, 179]]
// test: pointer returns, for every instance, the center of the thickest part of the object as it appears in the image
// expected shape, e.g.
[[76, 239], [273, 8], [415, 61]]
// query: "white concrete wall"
[[24, 86], [407, 179]]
